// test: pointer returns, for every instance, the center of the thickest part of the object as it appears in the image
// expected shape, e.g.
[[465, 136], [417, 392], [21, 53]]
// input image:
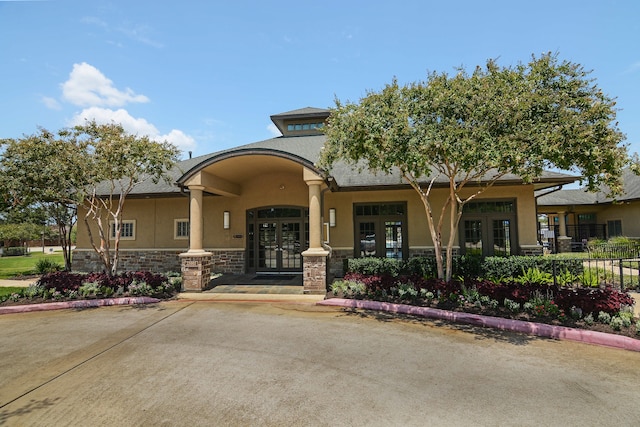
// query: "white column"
[[195, 219], [315, 216], [562, 225]]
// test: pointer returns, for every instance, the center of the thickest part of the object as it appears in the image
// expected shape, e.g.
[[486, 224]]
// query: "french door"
[[276, 238], [380, 230], [279, 247], [488, 236], [488, 228]]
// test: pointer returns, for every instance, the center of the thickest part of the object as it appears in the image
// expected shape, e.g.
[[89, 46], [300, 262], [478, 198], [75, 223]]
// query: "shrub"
[[590, 278], [604, 317], [45, 265], [588, 319], [375, 266], [15, 251], [89, 289], [592, 300], [33, 291], [533, 276], [616, 323], [61, 280], [407, 291], [514, 266]]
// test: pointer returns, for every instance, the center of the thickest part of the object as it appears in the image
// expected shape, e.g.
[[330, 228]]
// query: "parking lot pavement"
[[234, 363]]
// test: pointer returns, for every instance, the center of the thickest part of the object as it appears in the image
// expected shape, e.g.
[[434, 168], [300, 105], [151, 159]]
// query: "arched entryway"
[[276, 238]]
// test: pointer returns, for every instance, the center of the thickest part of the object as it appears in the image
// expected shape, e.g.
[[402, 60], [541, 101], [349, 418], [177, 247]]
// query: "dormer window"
[[303, 122], [303, 126]]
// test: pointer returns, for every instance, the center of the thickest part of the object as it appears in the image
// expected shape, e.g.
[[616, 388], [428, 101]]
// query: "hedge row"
[[464, 266]]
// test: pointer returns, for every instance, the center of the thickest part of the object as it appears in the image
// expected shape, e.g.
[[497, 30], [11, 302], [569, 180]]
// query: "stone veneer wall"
[[227, 262], [196, 271], [429, 252], [314, 277], [337, 260], [157, 261], [532, 250]]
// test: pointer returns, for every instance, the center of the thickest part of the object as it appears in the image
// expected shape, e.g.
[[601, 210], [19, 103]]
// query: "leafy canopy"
[[498, 120], [476, 128]]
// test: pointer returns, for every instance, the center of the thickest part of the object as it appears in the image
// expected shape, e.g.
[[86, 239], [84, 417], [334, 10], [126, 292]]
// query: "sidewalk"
[[5, 283]]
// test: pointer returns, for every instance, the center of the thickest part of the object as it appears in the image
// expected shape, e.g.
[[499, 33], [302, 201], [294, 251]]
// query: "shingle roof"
[[306, 151], [631, 191], [568, 197], [307, 111]]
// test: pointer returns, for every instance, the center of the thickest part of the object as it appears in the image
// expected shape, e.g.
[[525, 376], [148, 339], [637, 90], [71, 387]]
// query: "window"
[[127, 230], [381, 230], [181, 229], [614, 227], [304, 126], [488, 228], [588, 218]]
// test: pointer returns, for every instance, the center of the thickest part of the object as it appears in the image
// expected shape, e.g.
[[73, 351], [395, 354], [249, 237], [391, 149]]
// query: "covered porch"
[[262, 207]]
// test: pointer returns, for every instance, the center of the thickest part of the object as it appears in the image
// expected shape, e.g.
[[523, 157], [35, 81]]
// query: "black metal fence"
[[580, 234], [621, 273]]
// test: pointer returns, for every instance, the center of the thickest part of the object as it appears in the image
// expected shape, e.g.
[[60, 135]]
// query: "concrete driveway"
[[282, 364]]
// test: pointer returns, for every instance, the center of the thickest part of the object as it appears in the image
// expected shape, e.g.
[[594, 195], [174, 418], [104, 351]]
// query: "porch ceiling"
[[226, 177]]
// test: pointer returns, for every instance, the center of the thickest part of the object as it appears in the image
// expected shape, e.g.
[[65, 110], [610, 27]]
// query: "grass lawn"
[[13, 266], [8, 290]]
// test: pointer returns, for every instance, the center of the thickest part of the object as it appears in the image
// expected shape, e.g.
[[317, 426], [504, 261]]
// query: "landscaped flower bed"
[[64, 286], [601, 309]]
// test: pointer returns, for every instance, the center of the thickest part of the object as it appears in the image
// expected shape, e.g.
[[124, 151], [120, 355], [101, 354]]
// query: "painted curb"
[[77, 304], [532, 328]]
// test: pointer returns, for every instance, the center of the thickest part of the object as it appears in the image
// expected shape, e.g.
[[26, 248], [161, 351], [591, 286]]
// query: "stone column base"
[[314, 274], [196, 270], [564, 244]]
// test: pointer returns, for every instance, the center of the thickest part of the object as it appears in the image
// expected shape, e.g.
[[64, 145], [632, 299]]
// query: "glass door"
[[276, 238], [488, 237], [268, 246], [289, 257], [279, 246]]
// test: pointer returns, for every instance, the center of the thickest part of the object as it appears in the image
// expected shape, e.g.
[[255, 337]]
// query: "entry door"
[[380, 238], [488, 236], [279, 247]]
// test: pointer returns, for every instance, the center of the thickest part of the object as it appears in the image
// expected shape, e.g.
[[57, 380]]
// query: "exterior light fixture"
[[332, 217], [225, 220]]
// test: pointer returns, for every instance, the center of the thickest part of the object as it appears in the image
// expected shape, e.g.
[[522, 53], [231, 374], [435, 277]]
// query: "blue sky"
[[207, 75]]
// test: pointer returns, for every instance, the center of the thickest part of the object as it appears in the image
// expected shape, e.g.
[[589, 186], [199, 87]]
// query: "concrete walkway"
[[203, 363], [6, 283]]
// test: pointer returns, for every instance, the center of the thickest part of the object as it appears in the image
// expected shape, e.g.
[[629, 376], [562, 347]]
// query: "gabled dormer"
[[301, 122]]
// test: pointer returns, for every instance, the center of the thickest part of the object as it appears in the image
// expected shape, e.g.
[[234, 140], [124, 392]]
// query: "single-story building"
[[578, 215], [265, 208]]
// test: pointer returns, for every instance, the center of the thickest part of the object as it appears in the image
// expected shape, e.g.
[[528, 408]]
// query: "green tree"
[[473, 129], [94, 166], [118, 162], [43, 176], [20, 232]]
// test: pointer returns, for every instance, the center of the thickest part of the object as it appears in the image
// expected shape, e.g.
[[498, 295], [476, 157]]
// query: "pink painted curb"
[[77, 304], [538, 329]]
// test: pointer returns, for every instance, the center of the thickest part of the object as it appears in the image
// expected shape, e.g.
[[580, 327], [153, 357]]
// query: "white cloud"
[[633, 68], [51, 103], [88, 87], [140, 34], [274, 130], [136, 126]]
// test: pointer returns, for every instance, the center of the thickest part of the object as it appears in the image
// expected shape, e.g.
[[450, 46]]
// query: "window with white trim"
[[127, 230], [181, 229]]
